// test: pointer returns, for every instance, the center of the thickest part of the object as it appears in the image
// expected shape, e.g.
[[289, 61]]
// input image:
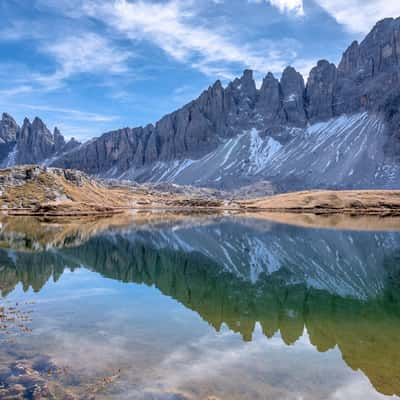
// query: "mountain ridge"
[[280, 115], [31, 143]]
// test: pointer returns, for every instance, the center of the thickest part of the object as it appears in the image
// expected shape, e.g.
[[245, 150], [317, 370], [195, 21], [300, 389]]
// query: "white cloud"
[[20, 30], [172, 26], [360, 15], [294, 6], [15, 91], [72, 113], [84, 53]]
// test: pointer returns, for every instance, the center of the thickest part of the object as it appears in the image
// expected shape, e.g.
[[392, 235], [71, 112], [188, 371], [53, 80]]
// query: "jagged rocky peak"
[[217, 86], [35, 142], [70, 145], [59, 141], [61, 145], [378, 52], [292, 86], [320, 91], [35, 130], [269, 101], [211, 102], [39, 124], [350, 59], [39, 128], [8, 129], [24, 131], [367, 79], [26, 126], [369, 71], [247, 84]]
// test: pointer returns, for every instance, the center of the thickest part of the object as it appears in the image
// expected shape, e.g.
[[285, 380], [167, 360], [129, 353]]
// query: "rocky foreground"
[[34, 190]]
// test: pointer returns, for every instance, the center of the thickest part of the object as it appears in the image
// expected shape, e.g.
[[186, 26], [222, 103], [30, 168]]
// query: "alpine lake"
[[186, 307]]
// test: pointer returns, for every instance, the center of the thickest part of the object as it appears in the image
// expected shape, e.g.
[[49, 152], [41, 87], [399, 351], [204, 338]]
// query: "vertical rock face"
[[378, 52], [59, 141], [240, 98], [33, 143], [103, 153], [270, 99], [292, 85], [8, 135], [367, 79], [349, 63], [8, 129], [320, 91], [370, 71], [198, 127]]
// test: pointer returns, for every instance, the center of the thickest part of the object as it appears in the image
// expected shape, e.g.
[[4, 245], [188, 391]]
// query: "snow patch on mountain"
[[343, 152], [11, 158]]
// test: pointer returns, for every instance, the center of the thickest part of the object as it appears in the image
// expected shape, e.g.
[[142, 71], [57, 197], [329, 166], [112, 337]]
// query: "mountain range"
[[340, 129], [32, 143]]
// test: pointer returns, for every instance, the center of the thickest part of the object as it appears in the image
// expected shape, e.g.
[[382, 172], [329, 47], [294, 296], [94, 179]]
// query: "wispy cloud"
[[357, 16], [84, 53], [72, 113], [292, 6], [15, 91], [21, 29], [173, 27], [360, 15]]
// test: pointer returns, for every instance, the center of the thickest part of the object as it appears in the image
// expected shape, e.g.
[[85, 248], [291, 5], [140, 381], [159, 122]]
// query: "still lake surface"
[[197, 308]]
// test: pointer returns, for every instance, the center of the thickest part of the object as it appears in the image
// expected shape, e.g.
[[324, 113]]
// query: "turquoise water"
[[198, 308]]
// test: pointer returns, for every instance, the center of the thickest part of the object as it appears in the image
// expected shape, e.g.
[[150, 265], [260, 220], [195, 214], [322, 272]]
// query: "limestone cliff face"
[[198, 127], [8, 135], [8, 129], [367, 79], [320, 91], [32, 143], [367, 75], [35, 142]]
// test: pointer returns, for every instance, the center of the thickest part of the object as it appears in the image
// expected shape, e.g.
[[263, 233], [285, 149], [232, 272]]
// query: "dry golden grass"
[[321, 202], [51, 193], [58, 192]]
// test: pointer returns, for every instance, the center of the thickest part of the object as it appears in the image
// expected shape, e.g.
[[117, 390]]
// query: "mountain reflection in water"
[[341, 287]]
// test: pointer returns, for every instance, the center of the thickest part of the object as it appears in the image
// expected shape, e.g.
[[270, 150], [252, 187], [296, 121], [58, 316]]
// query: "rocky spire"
[[8, 129], [292, 86], [320, 91], [367, 79], [59, 141], [35, 142], [269, 102], [247, 84], [369, 72]]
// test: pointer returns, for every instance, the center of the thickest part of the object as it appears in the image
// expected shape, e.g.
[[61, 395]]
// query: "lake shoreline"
[[52, 192], [348, 203]]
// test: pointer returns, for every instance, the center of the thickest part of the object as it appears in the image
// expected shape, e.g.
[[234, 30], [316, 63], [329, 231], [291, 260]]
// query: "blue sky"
[[89, 66]]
